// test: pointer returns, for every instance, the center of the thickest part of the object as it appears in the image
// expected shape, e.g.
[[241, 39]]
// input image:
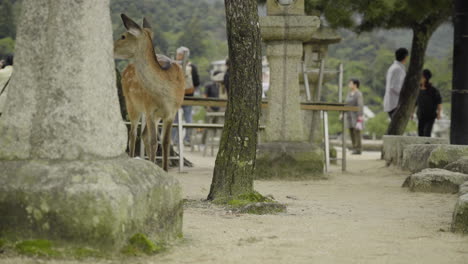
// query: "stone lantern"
[[315, 52], [64, 174], [285, 151]]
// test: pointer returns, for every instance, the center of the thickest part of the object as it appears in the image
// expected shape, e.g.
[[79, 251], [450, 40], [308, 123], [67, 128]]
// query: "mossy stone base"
[[289, 161], [460, 215], [99, 204]]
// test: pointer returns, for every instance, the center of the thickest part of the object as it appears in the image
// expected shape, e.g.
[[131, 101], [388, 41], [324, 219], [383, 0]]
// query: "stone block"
[[463, 189], [289, 161], [460, 215], [96, 204], [443, 155], [436, 181], [393, 146], [280, 7], [415, 157], [461, 165], [291, 28]]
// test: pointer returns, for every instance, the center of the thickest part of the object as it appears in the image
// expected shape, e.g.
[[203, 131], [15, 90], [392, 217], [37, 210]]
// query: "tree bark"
[[234, 168], [410, 91], [459, 124]]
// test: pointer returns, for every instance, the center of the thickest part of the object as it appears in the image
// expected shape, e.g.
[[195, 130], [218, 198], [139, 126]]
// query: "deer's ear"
[[132, 27], [146, 24]]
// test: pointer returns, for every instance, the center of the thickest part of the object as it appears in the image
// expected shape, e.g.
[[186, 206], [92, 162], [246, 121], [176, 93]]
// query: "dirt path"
[[361, 217]]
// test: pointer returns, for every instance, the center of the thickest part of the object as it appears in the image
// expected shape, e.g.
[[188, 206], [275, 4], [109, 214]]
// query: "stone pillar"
[[65, 174], [285, 152], [284, 103]]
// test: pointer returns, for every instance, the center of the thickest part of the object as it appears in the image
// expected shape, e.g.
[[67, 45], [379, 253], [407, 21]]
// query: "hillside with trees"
[[201, 26]]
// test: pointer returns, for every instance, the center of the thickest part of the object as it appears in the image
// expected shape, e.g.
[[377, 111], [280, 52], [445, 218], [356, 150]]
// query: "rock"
[[289, 161], [393, 147], [443, 155], [262, 208], [463, 189], [64, 172], [415, 157], [89, 203], [460, 215], [436, 180], [461, 165]]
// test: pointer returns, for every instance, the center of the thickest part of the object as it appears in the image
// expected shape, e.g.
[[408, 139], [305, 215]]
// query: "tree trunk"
[[234, 168], [410, 91], [459, 124]]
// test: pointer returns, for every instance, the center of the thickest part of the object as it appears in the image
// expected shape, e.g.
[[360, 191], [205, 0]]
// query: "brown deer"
[[153, 85]]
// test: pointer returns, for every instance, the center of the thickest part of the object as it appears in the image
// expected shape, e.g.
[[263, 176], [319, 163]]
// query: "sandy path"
[[360, 217]]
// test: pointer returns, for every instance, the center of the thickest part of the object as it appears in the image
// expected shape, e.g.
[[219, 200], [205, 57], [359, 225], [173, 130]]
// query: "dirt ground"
[[363, 216]]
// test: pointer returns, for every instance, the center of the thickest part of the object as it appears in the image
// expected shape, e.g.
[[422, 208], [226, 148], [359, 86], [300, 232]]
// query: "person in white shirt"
[[5, 75], [394, 82]]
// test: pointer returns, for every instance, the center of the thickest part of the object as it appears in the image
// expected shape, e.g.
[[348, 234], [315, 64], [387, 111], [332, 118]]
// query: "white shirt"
[[395, 77], [5, 75]]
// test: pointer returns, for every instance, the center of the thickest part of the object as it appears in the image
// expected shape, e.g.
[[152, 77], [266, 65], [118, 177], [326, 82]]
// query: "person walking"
[[355, 120], [429, 105], [192, 81], [394, 81]]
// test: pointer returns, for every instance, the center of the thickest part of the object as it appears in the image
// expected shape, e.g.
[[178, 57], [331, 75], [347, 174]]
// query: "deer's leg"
[[166, 142], [148, 137], [154, 143], [132, 135]]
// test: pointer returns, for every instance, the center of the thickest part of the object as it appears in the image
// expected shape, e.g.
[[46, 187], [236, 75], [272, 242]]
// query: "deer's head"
[[134, 39]]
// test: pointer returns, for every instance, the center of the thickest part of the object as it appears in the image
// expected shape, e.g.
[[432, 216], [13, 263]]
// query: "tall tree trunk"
[[234, 168], [459, 124], [410, 91]]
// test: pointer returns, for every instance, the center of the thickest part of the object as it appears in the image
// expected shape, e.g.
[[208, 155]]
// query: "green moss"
[[3, 243], [41, 248], [252, 203], [139, 244], [248, 198]]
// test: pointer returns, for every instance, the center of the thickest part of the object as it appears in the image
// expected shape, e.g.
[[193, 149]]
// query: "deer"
[[152, 84]]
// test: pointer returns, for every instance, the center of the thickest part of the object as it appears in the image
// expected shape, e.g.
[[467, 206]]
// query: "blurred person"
[[192, 82], [226, 77], [429, 105], [212, 90], [5, 75], [265, 83], [355, 120], [394, 81]]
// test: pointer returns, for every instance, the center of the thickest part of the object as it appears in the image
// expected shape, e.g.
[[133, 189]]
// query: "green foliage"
[[140, 244], [41, 248], [2, 243], [7, 46], [365, 15], [7, 19], [378, 125], [199, 25]]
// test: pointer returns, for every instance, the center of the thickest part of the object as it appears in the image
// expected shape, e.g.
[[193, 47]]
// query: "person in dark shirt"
[[212, 91], [429, 105], [226, 78]]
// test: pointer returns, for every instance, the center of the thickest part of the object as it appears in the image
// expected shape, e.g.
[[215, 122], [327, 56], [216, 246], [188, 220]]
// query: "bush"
[[377, 125], [7, 46]]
